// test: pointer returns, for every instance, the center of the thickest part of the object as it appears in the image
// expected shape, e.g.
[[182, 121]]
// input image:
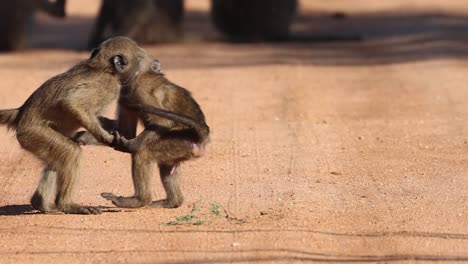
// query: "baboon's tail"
[[8, 117], [200, 127]]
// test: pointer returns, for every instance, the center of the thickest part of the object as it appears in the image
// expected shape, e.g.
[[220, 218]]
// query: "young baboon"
[[15, 15], [175, 131], [145, 21], [65, 103]]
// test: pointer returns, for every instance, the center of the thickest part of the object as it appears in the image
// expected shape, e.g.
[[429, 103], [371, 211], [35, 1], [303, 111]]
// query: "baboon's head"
[[121, 56]]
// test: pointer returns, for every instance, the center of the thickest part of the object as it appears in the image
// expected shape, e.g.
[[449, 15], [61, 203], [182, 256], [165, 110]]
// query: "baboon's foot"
[[80, 209], [166, 203], [126, 202], [39, 203]]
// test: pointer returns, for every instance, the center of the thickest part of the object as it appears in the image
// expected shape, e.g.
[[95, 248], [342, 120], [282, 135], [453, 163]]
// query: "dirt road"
[[321, 152]]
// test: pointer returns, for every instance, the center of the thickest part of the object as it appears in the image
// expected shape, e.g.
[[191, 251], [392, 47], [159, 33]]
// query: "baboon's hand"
[[120, 143]]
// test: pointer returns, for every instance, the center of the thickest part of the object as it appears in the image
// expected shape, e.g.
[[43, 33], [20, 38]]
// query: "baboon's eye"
[[94, 53], [119, 62]]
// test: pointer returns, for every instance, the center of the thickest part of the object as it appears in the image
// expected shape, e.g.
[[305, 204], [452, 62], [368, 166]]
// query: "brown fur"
[[65, 103], [175, 131]]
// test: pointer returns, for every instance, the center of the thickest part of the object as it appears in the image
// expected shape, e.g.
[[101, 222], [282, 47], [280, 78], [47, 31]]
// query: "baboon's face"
[[121, 56]]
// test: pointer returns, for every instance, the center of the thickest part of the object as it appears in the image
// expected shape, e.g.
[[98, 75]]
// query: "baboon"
[[246, 20], [145, 21], [175, 131], [62, 105], [15, 15]]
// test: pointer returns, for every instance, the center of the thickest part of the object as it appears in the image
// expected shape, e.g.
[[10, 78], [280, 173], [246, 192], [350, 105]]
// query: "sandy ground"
[[321, 152]]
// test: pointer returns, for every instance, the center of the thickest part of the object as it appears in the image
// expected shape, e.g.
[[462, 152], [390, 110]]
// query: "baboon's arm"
[[85, 138], [88, 121]]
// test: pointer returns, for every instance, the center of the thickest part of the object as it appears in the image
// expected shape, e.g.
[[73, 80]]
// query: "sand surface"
[[346, 152]]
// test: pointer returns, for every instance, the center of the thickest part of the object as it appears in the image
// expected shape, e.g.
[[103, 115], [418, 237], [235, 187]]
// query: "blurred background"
[[58, 23], [399, 31]]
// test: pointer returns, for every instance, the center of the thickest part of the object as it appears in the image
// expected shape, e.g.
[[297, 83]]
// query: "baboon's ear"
[[94, 53], [119, 62], [156, 66]]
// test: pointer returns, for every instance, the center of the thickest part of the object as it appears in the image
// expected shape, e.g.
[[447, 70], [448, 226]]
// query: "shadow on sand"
[[388, 37], [20, 209]]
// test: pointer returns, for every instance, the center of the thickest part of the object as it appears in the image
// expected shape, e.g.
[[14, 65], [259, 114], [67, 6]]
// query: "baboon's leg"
[[142, 169], [167, 152], [67, 176], [62, 156], [145, 138], [171, 150], [46, 192], [170, 178]]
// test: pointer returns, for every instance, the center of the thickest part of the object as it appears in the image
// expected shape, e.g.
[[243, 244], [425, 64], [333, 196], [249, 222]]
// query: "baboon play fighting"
[[46, 125]]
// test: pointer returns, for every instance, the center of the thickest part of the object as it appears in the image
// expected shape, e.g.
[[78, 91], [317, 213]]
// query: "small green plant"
[[199, 222], [185, 218], [196, 207], [171, 223], [215, 209], [203, 215]]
